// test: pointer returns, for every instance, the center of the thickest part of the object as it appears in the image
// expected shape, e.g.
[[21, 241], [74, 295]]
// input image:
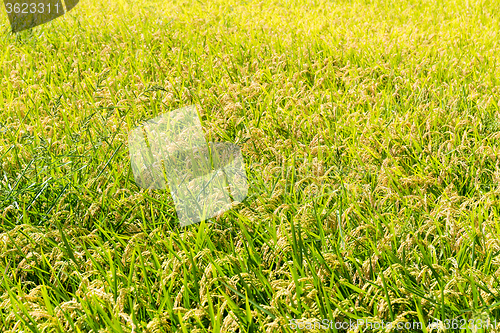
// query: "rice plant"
[[371, 135]]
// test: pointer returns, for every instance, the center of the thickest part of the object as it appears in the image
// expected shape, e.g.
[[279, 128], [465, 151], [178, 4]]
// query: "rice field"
[[370, 131]]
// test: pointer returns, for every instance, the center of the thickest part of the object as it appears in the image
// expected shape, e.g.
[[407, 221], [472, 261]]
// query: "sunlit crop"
[[370, 131]]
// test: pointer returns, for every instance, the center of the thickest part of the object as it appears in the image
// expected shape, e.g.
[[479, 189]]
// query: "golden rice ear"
[[151, 177], [26, 14]]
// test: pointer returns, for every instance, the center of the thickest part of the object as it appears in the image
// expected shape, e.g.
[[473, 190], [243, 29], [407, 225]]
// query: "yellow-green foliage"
[[371, 134]]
